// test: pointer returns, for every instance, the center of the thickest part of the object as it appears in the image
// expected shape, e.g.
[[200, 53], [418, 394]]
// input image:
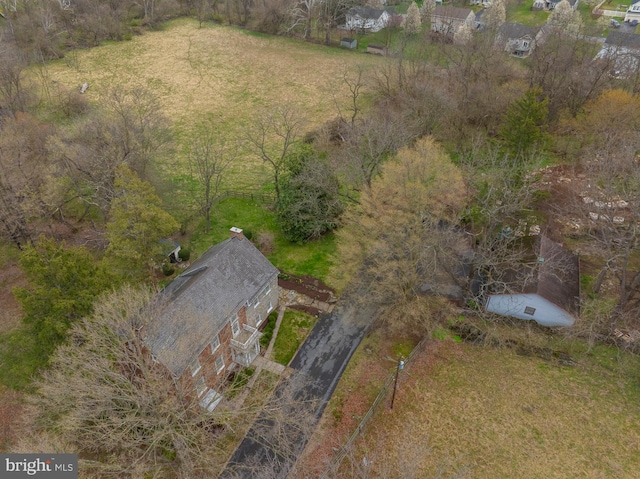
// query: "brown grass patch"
[[218, 72], [483, 412]]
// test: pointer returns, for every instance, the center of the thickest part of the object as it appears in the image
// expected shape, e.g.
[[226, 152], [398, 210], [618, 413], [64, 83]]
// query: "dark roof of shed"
[[558, 278], [517, 30], [623, 39], [448, 11], [197, 304]]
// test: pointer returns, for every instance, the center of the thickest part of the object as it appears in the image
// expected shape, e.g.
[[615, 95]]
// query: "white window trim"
[[201, 387], [197, 369], [219, 368], [235, 331], [215, 341], [270, 307]]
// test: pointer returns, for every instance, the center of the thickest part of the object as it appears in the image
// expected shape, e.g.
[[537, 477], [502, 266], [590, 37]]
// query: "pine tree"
[[524, 128]]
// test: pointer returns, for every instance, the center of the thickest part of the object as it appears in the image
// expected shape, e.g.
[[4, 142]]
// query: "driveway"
[[273, 443]]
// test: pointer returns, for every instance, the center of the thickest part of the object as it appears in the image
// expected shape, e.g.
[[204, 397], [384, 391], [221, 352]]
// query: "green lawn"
[[520, 12], [259, 224], [293, 330]]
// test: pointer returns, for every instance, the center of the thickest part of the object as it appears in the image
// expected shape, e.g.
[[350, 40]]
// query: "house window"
[[256, 303], [235, 328], [201, 386], [529, 310], [270, 307], [259, 320], [268, 289], [219, 364], [525, 44], [215, 344], [195, 367]]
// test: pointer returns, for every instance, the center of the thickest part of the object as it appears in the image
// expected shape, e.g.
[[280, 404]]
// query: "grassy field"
[[484, 412], [519, 11], [221, 73]]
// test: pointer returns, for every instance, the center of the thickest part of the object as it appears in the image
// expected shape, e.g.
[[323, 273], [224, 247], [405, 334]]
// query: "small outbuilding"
[[377, 49], [350, 43], [550, 295]]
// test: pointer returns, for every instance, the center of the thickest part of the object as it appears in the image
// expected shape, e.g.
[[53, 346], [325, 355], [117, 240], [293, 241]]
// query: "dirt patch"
[[10, 276], [310, 310], [308, 286], [11, 409]]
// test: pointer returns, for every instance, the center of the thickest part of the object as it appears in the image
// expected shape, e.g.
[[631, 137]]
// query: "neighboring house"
[[623, 51], [551, 4], [210, 314], [633, 12], [368, 19], [519, 40], [551, 295], [484, 3], [448, 21]]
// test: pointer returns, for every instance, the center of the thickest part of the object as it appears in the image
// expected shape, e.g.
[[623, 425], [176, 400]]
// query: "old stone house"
[[210, 315]]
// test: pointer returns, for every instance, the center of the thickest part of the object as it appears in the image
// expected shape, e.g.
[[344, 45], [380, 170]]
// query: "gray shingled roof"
[[366, 11], [516, 30], [196, 305], [623, 39], [451, 12]]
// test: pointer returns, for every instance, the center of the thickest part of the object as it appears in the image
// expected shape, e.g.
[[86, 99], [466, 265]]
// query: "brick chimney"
[[236, 233]]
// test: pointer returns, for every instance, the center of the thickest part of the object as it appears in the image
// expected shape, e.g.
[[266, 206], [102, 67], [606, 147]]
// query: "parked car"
[[615, 23], [633, 23]]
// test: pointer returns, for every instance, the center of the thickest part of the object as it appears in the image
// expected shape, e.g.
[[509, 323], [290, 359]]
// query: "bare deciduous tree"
[[106, 398], [210, 156], [273, 135]]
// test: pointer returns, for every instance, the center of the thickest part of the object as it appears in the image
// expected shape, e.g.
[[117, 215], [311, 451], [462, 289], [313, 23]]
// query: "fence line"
[[263, 197], [344, 450]]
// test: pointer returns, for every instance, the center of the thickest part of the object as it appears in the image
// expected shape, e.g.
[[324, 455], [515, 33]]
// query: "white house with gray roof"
[[622, 50], [210, 316], [368, 19]]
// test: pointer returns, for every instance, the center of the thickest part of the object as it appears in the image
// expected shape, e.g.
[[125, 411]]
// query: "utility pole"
[[395, 382]]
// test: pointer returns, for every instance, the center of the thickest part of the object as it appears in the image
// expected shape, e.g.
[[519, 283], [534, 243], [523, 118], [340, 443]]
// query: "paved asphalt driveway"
[[271, 446]]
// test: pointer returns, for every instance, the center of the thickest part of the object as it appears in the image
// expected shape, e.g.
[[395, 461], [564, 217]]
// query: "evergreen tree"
[[63, 284], [524, 128], [136, 226], [309, 203]]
